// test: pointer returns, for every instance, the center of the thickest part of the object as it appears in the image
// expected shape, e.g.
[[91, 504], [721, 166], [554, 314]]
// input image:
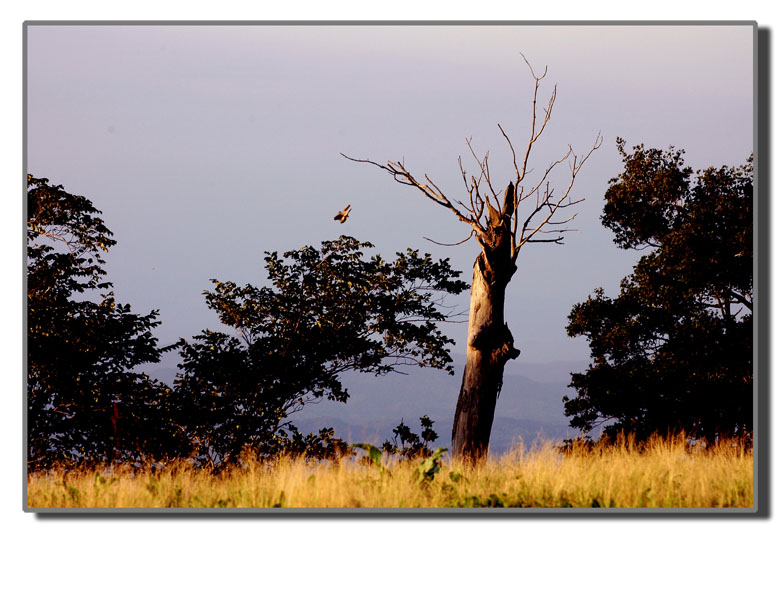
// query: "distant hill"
[[529, 406]]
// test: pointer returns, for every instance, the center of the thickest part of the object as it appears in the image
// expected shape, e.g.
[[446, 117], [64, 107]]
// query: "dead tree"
[[501, 232]]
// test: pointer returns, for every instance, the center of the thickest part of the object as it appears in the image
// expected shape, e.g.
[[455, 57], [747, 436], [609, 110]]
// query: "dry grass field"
[[665, 473]]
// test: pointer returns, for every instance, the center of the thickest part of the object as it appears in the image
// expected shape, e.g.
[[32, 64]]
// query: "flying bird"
[[343, 214]]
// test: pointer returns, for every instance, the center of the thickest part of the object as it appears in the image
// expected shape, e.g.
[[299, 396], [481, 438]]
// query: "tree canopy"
[[84, 398], [673, 351], [324, 312]]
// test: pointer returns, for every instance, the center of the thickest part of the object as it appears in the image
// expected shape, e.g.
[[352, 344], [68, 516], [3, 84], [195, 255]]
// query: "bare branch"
[[484, 172], [540, 220], [469, 189], [569, 219], [547, 113], [557, 241], [557, 230], [477, 160], [490, 184], [527, 232], [547, 172], [403, 176], [464, 206], [471, 234], [533, 74], [439, 191], [514, 156], [482, 164], [366, 161]]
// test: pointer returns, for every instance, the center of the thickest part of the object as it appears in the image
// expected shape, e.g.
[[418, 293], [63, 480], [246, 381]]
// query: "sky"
[[205, 146]]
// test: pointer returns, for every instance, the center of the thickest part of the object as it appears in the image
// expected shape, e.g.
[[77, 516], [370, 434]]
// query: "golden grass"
[[663, 473]]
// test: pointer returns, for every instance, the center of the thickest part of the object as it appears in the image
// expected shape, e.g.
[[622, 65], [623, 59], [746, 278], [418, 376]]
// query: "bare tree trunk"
[[490, 344], [501, 232]]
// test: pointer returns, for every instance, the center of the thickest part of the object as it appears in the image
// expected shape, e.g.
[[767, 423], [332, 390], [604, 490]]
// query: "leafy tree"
[[503, 218], [83, 399], [324, 445], [325, 311], [410, 445], [674, 350]]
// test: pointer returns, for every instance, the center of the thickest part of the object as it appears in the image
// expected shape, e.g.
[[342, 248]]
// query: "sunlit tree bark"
[[492, 212]]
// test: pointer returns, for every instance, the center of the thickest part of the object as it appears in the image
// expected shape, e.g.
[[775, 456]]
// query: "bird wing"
[[342, 215]]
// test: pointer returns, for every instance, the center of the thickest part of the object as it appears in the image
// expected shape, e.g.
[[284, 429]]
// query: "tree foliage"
[[410, 445], [324, 312], [84, 399], [673, 351]]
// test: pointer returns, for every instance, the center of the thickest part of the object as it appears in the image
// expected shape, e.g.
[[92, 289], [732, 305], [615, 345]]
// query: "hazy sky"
[[205, 146]]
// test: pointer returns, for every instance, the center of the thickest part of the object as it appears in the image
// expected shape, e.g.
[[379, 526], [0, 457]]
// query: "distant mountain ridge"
[[529, 407]]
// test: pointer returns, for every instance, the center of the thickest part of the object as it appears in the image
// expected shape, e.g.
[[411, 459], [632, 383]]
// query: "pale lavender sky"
[[206, 146]]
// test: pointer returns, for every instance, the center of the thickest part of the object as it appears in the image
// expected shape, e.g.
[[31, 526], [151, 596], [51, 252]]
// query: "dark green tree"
[[84, 401], [324, 312], [410, 445], [673, 351]]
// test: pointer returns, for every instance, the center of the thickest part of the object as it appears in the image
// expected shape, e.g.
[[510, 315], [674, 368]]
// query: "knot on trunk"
[[506, 349], [498, 341]]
